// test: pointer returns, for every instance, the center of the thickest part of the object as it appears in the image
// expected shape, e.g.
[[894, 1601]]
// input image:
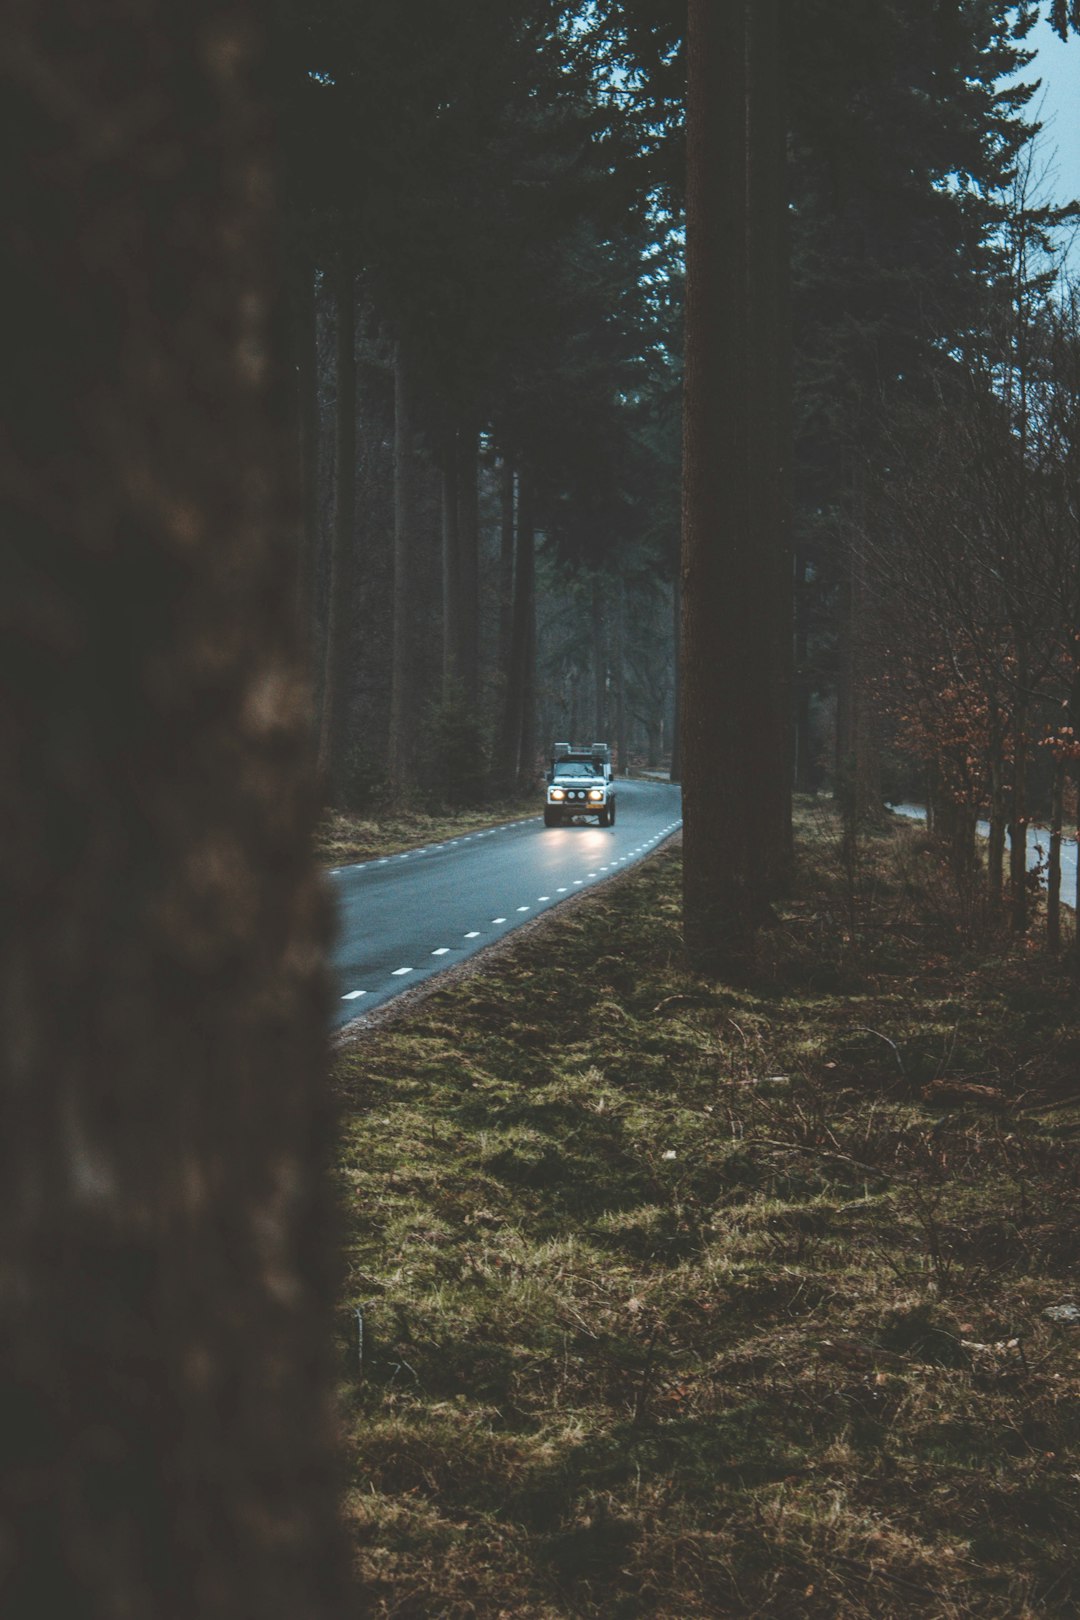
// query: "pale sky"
[[1058, 66]]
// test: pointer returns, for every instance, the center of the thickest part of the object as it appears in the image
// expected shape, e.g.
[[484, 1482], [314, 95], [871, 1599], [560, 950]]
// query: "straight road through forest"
[[403, 918]]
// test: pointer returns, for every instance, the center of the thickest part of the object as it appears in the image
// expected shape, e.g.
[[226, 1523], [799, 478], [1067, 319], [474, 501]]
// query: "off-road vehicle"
[[580, 783]]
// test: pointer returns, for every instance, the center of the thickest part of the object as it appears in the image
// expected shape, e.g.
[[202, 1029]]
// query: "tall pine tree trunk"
[[599, 662], [805, 766], [469, 537], [770, 428], [335, 687], [519, 701], [1018, 814], [730, 566], [400, 750], [506, 564], [525, 568], [451, 569], [166, 1268], [619, 660]]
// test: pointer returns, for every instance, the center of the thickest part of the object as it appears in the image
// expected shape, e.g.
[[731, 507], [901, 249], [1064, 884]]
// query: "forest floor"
[[688, 1301], [341, 838]]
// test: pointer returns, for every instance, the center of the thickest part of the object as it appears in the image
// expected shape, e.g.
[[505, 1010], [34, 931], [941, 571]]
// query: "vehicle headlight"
[[557, 793], [596, 793]]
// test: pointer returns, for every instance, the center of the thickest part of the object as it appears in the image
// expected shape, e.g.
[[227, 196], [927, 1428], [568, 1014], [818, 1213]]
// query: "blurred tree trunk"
[[333, 725], [305, 339], [400, 751], [166, 1252]]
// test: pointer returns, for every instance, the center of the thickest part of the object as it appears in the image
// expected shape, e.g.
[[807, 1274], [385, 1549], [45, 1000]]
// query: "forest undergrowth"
[[680, 1300]]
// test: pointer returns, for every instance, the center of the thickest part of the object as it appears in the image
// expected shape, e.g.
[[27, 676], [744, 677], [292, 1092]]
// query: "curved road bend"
[[403, 918]]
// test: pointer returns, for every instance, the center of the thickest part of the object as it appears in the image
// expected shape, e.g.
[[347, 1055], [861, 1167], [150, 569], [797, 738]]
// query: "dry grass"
[[681, 1301]]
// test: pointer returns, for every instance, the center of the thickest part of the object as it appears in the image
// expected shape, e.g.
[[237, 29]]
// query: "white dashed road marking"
[[442, 950], [523, 908], [399, 971], [352, 995], [473, 934], [498, 919]]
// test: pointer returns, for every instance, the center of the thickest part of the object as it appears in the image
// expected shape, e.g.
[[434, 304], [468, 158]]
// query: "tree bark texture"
[[333, 722], [525, 566], [469, 537], [506, 562], [805, 766], [619, 660], [166, 1270], [451, 569], [1018, 815], [400, 751], [731, 541], [768, 299], [599, 662], [520, 696]]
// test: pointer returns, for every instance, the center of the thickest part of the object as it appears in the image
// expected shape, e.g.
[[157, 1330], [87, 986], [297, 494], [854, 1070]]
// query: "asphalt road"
[[403, 918]]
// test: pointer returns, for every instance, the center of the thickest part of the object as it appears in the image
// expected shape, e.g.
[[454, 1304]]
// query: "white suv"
[[580, 784]]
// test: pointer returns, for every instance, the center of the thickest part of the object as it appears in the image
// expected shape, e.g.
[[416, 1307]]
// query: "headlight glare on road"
[[596, 793]]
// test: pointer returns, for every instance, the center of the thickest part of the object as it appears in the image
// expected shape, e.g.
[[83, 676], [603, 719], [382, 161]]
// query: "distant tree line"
[[485, 316]]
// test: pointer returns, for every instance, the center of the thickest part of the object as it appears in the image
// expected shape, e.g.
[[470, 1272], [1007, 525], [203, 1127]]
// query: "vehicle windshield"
[[572, 767]]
